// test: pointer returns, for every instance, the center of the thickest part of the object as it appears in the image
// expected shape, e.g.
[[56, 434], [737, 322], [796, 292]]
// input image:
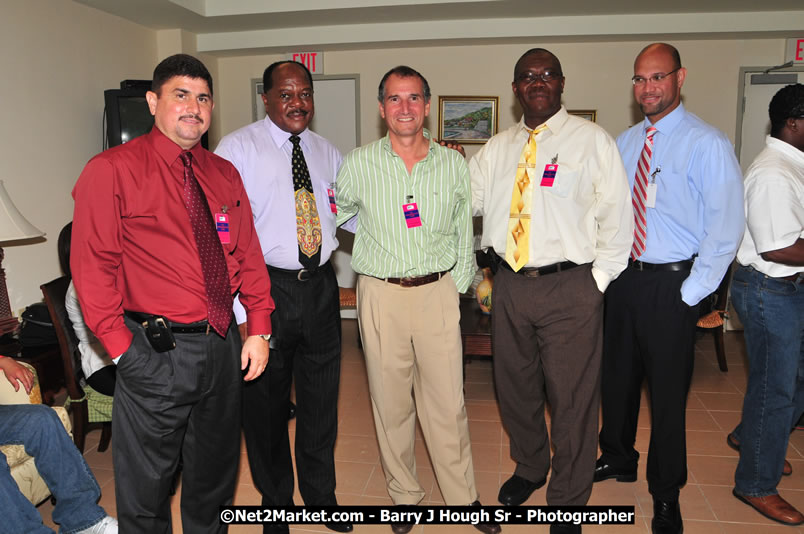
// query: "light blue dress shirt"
[[261, 152], [699, 197]]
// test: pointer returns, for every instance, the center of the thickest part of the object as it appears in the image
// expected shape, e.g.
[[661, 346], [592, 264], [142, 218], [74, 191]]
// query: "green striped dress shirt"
[[374, 183]]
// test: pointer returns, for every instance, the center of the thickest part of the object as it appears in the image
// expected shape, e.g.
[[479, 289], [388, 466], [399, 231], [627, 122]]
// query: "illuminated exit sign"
[[795, 51], [312, 60]]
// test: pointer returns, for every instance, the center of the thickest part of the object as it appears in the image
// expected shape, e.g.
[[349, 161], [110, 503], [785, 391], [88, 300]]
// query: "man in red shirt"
[[155, 275]]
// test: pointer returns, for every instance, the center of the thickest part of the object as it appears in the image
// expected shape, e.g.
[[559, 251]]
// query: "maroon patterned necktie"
[[210, 251], [640, 196]]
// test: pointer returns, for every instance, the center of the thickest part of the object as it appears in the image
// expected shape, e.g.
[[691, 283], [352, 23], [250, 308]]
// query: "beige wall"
[[598, 77], [57, 57]]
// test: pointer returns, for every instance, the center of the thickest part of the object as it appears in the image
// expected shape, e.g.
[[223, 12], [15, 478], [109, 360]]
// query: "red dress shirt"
[[133, 246]]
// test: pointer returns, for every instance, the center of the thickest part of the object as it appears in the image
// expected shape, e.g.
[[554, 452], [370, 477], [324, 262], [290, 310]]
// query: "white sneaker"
[[107, 525]]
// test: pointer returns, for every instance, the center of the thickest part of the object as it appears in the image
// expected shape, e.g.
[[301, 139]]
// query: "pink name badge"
[[549, 175], [332, 206], [411, 212], [222, 225]]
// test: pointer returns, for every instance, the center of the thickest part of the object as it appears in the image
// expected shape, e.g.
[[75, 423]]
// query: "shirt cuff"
[[117, 342], [259, 323], [602, 279]]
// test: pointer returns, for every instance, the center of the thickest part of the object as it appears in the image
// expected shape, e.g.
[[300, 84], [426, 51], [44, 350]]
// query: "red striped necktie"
[[640, 196]]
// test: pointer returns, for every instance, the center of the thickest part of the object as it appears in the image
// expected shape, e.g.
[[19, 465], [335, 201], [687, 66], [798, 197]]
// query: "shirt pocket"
[[565, 182]]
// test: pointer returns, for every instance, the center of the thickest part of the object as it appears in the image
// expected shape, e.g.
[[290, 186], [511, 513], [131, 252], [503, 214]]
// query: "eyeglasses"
[[546, 76], [656, 78]]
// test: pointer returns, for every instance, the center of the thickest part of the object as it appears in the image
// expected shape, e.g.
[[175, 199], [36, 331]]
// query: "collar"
[[280, 136], [386, 142], [787, 149], [169, 151], [668, 123], [554, 123]]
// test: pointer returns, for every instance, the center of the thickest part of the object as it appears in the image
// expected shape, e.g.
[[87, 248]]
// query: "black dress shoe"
[[516, 490], [340, 527], [604, 471], [565, 528], [401, 528], [487, 528], [666, 517]]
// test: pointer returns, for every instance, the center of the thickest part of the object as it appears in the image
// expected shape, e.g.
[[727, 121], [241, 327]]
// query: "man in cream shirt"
[[558, 233]]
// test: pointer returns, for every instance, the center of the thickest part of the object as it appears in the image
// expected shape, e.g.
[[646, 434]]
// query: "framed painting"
[[588, 114], [467, 119]]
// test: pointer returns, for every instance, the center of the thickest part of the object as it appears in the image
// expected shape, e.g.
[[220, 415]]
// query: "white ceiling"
[[233, 27]]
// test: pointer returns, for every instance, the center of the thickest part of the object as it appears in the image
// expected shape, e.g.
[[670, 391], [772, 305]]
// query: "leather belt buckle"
[[304, 275]]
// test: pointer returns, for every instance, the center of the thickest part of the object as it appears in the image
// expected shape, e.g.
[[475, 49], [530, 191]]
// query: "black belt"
[[201, 327], [415, 281], [684, 265], [533, 272], [302, 275]]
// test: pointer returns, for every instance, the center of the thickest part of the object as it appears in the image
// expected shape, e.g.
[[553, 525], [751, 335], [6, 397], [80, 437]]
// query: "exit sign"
[[312, 60], [795, 51]]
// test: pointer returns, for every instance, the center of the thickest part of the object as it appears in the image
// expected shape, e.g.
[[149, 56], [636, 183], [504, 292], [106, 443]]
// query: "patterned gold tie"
[[308, 224], [518, 240]]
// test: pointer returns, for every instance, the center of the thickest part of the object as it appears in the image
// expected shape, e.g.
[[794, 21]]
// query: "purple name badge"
[[222, 225], [411, 212], [549, 174]]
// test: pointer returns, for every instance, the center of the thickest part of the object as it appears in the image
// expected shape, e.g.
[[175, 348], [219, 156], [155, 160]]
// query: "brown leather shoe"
[[401, 528], [734, 443], [773, 507]]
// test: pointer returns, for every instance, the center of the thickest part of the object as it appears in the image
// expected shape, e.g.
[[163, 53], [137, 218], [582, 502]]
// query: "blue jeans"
[[58, 461], [772, 311]]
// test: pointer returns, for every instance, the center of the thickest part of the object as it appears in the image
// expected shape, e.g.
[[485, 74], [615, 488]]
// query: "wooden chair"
[[86, 404], [714, 320]]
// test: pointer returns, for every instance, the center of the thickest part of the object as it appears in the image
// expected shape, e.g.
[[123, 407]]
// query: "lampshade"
[[13, 225]]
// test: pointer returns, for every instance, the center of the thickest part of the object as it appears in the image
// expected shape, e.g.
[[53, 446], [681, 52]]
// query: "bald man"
[[688, 217]]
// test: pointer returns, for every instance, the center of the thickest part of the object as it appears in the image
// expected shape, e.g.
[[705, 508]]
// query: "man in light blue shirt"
[[306, 325], [692, 222]]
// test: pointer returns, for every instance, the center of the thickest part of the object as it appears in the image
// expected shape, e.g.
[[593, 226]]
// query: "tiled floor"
[[707, 503]]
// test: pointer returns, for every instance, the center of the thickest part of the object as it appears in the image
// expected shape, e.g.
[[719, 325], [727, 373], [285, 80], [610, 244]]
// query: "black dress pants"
[[184, 402], [306, 337], [649, 332]]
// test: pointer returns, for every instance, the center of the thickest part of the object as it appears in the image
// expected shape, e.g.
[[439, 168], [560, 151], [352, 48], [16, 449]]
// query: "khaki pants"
[[412, 343]]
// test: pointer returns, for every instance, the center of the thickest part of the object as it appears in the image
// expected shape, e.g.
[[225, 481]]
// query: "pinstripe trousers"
[[305, 348]]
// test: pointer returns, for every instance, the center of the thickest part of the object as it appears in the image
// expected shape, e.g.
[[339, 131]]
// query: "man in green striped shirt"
[[413, 254]]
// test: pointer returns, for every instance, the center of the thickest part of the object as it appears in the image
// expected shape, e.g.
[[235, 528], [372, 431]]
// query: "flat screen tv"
[[127, 115]]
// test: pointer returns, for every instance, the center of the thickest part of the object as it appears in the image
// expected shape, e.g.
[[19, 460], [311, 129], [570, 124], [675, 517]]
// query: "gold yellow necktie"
[[518, 240]]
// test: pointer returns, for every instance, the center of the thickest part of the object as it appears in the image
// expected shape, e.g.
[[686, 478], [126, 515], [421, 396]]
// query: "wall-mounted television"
[[128, 116]]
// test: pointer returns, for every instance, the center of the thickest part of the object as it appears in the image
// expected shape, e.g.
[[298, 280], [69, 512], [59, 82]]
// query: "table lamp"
[[13, 227]]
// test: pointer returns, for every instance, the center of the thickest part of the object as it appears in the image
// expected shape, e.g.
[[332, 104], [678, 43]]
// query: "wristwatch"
[[266, 337]]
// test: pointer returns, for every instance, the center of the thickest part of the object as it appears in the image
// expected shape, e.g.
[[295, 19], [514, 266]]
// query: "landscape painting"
[[467, 119]]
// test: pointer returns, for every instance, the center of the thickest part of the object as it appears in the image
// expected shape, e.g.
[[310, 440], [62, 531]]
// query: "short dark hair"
[[537, 51], [63, 246], [403, 71], [786, 103], [267, 75], [180, 65]]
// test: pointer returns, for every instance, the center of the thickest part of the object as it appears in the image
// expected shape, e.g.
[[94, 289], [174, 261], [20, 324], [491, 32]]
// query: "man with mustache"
[[162, 239], [554, 198], [688, 217], [413, 254], [289, 174]]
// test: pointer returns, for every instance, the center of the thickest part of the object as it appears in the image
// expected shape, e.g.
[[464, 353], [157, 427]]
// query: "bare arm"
[[792, 255]]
